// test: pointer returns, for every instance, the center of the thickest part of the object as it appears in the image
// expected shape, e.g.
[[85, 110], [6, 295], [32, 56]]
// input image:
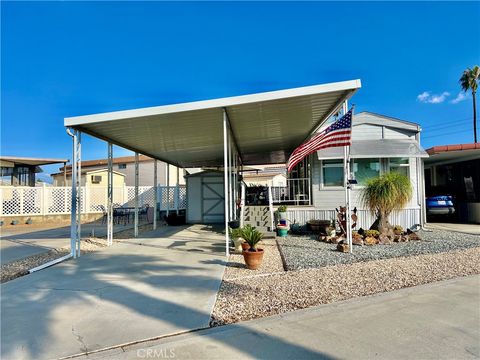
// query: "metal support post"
[[168, 189], [136, 196], [79, 191], [155, 194], [177, 190], [225, 182], [110, 196]]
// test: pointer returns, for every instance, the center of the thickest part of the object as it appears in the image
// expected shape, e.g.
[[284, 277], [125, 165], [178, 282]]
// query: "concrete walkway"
[[462, 228], [435, 321], [117, 295]]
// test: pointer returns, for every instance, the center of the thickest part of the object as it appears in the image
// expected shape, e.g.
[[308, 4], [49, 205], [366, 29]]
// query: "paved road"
[[435, 321], [119, 294]]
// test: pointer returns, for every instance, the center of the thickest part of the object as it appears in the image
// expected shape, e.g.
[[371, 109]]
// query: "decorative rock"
[[337, 239], [343, 248], [384, 240], [404, 238], [370, 240], [322, 238], [357, 240], [397, 238], [414, 236]]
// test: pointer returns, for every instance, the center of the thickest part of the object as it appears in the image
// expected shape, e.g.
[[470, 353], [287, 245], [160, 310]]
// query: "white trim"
[[351, 85]]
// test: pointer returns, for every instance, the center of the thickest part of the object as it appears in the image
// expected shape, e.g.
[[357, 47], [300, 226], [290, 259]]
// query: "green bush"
[[282, 208], [372, 233]]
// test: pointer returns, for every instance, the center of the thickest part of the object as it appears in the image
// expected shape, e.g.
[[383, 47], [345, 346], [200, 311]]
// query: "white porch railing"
[[296, 192], [56, 200]]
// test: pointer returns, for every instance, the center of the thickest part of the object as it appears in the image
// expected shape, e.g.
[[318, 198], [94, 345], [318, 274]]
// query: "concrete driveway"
[[22, 241], [121, 294], [434, 321]]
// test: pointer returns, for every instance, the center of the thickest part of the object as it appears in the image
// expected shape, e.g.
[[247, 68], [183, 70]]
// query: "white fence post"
[[20, 199], [43, 206]]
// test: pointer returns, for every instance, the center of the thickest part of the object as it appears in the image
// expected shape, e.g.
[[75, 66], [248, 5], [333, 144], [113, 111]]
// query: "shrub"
[[282, 208], [236, 233], [252, 236], [372, 233], [398, 228]]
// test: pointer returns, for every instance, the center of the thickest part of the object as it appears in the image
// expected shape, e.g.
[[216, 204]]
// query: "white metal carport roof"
[[266, 127]]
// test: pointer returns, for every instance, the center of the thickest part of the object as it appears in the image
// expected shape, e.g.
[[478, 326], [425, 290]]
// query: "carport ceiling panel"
[[187, 138], [279, 125]]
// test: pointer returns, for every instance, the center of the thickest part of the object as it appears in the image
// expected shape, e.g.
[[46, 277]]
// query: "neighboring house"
[[21, 171], [455, 170], [94, 178], [380, 144], [126, 165], [265, 179]]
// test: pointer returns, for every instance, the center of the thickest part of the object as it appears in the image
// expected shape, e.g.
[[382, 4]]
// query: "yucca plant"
[[252, 237], [382, 195]]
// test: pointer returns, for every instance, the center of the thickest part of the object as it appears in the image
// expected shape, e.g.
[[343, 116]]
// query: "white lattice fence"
[[53, 200]]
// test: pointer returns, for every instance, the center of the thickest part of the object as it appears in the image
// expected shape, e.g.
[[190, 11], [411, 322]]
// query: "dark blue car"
[[440, 205]]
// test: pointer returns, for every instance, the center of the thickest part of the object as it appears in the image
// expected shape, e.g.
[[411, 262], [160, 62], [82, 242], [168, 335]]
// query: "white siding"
[[366, 132], [390, 133]]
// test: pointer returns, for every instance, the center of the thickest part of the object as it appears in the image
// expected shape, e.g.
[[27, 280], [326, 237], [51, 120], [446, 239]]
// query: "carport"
[[226, 133]]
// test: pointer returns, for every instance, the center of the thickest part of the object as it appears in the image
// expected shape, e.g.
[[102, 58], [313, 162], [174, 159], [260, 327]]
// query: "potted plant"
[[244, 244], [282, 212], [282, 230], [236, 237], [253, 256]]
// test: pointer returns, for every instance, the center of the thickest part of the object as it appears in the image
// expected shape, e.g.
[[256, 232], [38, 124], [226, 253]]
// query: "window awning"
[[266, 127], [384, 148]]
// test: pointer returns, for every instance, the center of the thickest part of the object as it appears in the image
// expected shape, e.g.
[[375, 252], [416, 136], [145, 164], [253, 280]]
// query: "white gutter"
[[50, 263]]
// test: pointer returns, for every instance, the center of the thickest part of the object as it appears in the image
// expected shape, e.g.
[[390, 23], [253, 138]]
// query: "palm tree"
[[469, 81], [382, 195]]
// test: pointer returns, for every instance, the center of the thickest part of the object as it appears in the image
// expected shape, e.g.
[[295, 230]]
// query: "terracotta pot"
[[245, 246], [253, 259]]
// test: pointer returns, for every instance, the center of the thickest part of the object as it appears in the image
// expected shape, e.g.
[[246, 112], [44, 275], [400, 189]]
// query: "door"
[[213, 201]]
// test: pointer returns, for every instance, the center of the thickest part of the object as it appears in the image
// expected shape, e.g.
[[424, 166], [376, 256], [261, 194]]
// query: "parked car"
[[440, 205]]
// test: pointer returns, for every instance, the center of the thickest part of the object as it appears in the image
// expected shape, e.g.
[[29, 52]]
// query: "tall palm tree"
[[469, 81]]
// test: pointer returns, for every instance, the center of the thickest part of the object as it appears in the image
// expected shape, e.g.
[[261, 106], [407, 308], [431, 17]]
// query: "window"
[[332, 171], [122, 166], [365, 169], [399, 165]]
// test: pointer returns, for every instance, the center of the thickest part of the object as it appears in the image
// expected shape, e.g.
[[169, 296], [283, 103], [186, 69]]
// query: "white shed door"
[[213, 202]]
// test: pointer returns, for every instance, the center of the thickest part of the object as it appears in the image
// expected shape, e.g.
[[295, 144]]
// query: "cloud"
[[460, 97], [423, 96], [426, 97]]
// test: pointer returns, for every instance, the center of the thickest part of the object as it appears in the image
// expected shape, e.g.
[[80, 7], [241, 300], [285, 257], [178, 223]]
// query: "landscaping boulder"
[[370, 240], [384, 240], [414, 237], [357, 239], [343, 247]]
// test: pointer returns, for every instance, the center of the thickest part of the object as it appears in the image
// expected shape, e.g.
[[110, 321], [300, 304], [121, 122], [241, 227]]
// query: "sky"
[[62, 59]]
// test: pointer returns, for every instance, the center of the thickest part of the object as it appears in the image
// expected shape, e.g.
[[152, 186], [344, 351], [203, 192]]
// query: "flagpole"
[[346, 169]]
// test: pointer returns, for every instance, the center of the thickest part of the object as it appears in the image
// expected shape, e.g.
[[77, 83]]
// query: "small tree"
[[382, 195]]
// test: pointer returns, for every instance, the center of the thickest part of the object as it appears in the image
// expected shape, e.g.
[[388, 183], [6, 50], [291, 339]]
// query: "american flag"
[[337, 134]]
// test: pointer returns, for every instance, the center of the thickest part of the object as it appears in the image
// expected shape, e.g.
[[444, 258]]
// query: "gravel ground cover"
[[303, 252], [252, 297], [272, 262]]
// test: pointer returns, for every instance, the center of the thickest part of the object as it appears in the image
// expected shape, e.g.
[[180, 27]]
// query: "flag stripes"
[[337, 134]]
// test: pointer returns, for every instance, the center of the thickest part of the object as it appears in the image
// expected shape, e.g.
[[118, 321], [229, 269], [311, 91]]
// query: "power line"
[[446, 125], [449, 133]]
